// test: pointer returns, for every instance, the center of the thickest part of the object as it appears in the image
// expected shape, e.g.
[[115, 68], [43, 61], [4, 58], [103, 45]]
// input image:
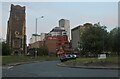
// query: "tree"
[[5, 49], [93, 39], [40, 51], [0, 48], [114, 37]]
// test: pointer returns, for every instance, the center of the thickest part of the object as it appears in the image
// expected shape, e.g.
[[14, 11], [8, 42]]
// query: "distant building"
[[37, 44], [2, 40], [53, 43], [36, 37], [57, 31], [56, 38], [65, 24], [53, 40], [43, 35], [75, 36], [16, 30]]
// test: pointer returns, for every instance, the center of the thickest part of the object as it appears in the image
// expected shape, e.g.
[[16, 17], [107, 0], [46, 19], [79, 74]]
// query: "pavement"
[[10, 66], [88, 67], [20, 63]]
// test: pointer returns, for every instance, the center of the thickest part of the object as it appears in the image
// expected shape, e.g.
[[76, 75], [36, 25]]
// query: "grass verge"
[[17, 59], [108, 60]]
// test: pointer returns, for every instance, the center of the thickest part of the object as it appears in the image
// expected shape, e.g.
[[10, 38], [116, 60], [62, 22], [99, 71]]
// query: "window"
[[59, 40], [66, 42], [59, 43], [16, 33]]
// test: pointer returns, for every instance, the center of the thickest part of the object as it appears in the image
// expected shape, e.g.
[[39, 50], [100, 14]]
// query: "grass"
[[113, 60], [16, 59]]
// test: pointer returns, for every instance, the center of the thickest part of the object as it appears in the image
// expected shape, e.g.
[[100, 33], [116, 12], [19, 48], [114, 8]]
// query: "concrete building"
[[37, 44], [57, 31], [75, 36], [2, 40], [43, 35], [76, 33], [16, 30], [36, 37], [65, 24]]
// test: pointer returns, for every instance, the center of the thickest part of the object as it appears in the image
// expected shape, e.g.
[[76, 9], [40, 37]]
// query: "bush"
[[40, 51], [5, 49]]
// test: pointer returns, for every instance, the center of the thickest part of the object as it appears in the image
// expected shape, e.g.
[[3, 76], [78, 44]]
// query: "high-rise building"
[[65, 24], [16, 30]]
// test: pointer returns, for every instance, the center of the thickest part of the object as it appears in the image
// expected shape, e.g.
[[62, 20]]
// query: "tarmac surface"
[[54, 69]]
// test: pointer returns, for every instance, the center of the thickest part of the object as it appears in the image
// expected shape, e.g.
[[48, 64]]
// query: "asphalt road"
[[50, 69]]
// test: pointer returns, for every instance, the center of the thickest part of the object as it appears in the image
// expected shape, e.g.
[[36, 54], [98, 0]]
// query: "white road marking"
[[10, 67]]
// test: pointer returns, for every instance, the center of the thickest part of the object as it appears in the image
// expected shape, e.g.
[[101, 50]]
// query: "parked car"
[[63, 58], [67, 57]]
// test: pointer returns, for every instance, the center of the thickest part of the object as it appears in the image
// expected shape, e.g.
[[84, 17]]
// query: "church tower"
[[16, 30]]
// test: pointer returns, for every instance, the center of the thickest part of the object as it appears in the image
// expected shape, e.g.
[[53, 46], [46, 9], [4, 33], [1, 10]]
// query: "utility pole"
[[36, 34]]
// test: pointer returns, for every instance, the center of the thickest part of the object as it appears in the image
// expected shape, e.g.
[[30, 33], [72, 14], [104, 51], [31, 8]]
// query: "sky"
[[77, 12]]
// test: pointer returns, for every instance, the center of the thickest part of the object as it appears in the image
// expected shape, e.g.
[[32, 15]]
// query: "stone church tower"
[[16, 30]]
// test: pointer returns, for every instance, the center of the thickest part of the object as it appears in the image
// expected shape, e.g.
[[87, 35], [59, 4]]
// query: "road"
[[50, 69]]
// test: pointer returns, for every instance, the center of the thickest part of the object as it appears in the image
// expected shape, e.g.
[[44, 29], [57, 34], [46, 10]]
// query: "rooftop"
[[57, 29], [35, 35]]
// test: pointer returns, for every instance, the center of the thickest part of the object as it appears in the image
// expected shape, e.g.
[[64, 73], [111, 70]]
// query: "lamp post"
[[36, 34]]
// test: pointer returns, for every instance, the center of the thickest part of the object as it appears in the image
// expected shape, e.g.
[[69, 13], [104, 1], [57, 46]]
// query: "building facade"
[[36, 37], [16, 30], [37, 44], [53, 43], [75, 35], [57, 31], [53, 40], [65, 24], [43, 35]]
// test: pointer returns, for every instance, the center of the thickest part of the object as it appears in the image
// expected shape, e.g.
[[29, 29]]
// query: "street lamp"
[[36, 34], [36, 23]]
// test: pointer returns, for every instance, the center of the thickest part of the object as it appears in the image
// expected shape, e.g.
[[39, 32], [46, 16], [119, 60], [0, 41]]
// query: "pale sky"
[[77, 12]]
